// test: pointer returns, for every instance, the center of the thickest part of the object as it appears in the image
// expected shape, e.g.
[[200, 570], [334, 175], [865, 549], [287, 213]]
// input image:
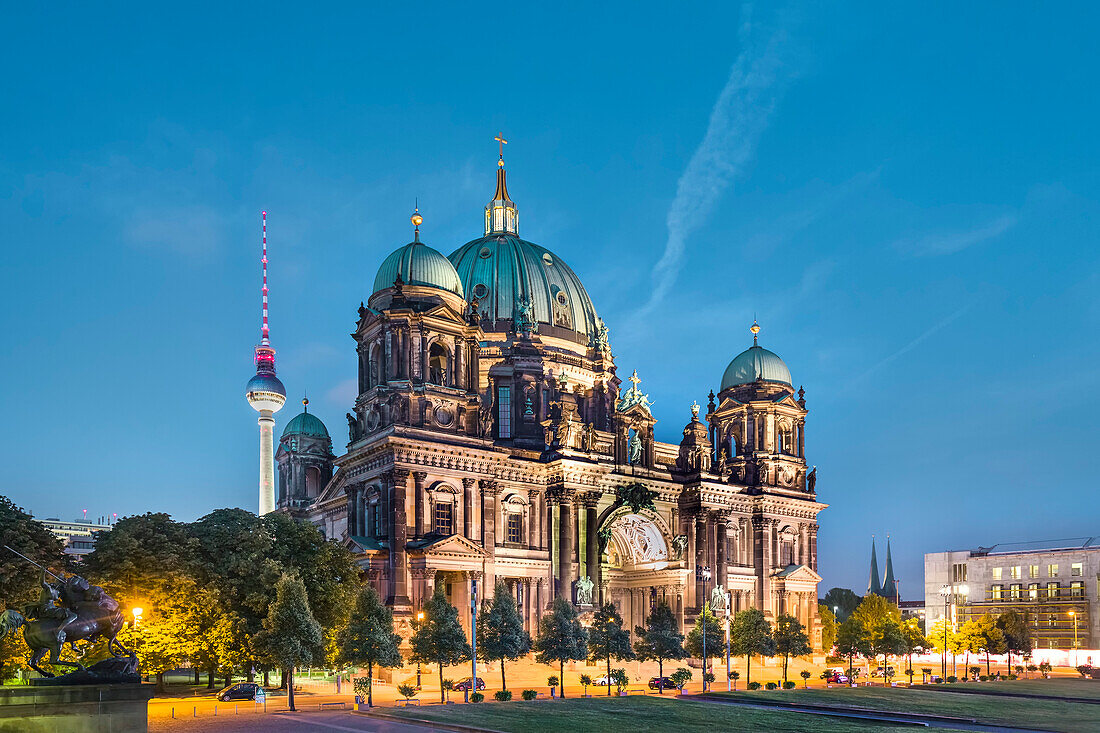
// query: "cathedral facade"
[[492, 439]]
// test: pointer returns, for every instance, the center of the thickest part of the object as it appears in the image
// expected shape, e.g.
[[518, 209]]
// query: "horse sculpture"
[[86, 613]]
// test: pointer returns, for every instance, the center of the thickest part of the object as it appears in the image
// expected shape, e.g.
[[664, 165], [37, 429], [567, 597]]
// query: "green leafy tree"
[[500, 632], [291, 637], [828, 627], [844, 600], [989, 638], [706, 624], [881, 624], [1017, 639], [607, 638], [790, 640], [750, 633], [912, 634], [561, 638], [851, 641], [368, 639], [968, 639], [680, 678], [585, 681], [805, 675], [440, 638], [659, 640], [20, 582], [734, 676]]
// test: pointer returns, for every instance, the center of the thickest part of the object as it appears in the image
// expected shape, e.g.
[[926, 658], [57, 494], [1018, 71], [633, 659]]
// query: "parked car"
[[604, 681], [837, 678], [242, 691], [656, 683], [464, 684], [879, 671]]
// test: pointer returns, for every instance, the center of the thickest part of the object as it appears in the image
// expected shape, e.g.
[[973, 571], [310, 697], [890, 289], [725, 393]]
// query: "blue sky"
[[906, 197]]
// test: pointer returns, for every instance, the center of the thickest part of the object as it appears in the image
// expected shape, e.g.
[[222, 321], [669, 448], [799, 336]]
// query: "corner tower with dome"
[[491, 439]]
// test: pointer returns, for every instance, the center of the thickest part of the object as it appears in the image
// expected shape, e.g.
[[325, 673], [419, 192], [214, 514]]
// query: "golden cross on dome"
[[500, 139], [635, 379]]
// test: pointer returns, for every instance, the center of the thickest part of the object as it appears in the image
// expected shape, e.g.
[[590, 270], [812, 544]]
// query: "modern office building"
[[78, 536], [1052, 583]]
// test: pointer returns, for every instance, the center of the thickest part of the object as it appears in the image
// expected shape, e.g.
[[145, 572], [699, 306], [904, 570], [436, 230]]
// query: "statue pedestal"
[[75, 708]]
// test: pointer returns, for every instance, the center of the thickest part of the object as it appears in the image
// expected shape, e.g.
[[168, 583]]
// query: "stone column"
[[565, 543], [592, 541], [398, 479], [459, 370], [813, 547], [468, 507], [349, 506], [414, 349], [361, 510], [721, 527], [700, 557], [759, 550], [533, 518], [489, 491], [419, 524]]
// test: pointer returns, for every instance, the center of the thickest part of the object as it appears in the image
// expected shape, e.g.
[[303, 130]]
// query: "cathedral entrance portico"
[[639, 566]]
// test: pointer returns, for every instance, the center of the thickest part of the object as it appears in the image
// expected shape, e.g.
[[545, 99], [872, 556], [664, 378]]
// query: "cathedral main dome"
[[501, 270], [418, 264]]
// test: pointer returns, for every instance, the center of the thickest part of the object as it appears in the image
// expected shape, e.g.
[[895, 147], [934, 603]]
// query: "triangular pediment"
[[450, 545], [799, 573]]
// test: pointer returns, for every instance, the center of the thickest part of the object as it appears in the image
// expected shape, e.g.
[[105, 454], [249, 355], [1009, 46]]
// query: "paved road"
[[283, 722]]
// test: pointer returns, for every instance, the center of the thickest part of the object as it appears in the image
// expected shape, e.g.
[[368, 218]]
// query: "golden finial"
[[755, 329], [416, 218], [500, 139], [305, 404]]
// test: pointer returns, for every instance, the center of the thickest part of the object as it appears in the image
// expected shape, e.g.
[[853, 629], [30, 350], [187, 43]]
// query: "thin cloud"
[[912, 344], [343, 393], [946, 243], [738, 119]]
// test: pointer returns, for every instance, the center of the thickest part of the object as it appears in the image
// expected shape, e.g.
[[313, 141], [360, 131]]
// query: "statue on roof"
[[811, 480], [525, 317], [599, 338]]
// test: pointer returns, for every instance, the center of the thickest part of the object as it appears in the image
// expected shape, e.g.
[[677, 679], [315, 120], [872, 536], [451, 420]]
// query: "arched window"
[[374, 366], [437, 364], [313, 482]]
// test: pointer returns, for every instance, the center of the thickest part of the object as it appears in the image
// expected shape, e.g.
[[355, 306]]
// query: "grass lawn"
[[994, 708], [633, 713]]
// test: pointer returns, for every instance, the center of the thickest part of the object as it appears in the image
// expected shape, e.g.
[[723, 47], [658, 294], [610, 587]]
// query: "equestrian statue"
[[69, 610]]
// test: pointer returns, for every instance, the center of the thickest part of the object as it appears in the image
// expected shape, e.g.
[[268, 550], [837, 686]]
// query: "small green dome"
[[418, 264], [308, 425], [755, 363]]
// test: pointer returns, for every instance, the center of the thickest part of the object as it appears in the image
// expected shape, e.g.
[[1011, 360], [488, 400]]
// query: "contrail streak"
[[913, 344]]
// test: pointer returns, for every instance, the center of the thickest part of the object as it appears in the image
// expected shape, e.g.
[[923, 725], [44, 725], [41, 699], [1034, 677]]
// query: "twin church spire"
[[888, 586]]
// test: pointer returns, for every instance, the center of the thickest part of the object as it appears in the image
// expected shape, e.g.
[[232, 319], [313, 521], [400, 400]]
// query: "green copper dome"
[[418, 264], [755, 363], [306, 424], [501, 271]]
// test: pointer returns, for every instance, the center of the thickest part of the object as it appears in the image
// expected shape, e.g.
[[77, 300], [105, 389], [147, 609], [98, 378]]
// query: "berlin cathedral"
[[493, 440]]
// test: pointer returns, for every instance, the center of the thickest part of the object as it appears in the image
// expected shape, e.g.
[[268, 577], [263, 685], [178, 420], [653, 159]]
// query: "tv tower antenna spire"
[[264, 333]]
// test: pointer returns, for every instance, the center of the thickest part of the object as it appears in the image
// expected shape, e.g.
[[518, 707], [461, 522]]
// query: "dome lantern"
[[501, 214]]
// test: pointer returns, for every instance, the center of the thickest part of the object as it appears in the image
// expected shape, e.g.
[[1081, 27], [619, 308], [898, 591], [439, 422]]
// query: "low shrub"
[[770, 686], [983, 677], [407, 691], [503, 695], [1013, 677], [952, 678], [756, 685], [529, 694], [788, 685], [476, 697]]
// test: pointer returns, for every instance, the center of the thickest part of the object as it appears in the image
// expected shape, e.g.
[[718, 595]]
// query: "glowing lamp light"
[[137, 612], [420, 616]]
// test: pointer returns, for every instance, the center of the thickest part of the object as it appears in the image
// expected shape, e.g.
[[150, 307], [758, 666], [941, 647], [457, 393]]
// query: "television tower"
[[266, 394]]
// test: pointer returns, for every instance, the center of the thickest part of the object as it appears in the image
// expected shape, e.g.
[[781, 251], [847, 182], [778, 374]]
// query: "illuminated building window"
[[1015, 572], [1075, 569], [444, 518], [1014, 591], [504, 412], [1077, 588], [996, 573], [1052, 570], [1033, 591], [515, 530], [1033, 571], [997, 592], [1052, 590]]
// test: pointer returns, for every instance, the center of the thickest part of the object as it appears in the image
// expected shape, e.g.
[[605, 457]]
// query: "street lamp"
[[950, 595], [473, 639], [704, 574], [136, 611], [419, 619], [729, 604], [1073, 615]]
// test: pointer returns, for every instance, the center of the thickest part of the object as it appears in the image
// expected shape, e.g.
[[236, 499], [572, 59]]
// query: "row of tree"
[[368, 640], [876, 628]]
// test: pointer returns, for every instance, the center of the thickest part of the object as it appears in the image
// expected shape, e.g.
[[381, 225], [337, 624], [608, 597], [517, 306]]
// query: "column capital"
[[419, 476], [590, 499], [396, 476], [489, 487], [468, 482]]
